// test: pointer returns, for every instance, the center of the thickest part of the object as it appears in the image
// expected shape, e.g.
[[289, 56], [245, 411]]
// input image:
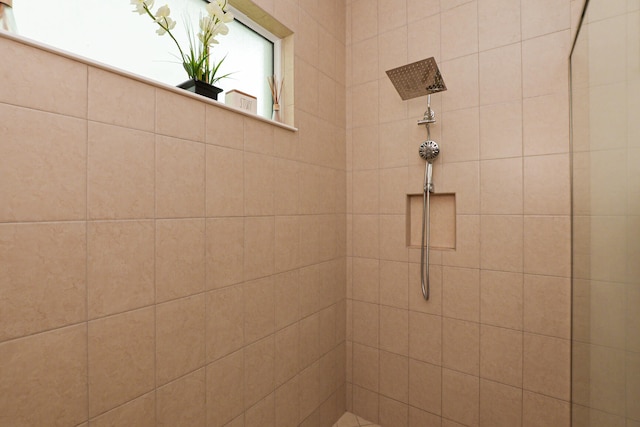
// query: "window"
[[109, 32]]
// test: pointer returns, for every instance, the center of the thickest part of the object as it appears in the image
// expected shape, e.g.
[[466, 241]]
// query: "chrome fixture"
[[411, 81]]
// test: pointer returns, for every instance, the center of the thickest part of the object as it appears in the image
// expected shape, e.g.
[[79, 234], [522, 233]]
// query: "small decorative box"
[[244, 101]]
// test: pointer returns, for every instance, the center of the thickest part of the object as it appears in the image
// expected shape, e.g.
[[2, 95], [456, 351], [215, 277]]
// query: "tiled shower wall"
[[491, 347], [165, 261]]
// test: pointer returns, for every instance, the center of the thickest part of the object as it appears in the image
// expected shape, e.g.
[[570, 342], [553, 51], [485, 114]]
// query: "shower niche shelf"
[[443, 220]]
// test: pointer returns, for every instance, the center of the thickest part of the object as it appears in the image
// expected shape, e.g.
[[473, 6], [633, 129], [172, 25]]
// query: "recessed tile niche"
[[442, 220]]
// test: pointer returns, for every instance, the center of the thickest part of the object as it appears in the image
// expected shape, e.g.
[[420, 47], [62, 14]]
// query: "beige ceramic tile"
[[262, 413], [547, 305], [394, 278], [180, 178], [394, 327], [542, 136], [307, 45], [225, 389], [258, 370], [364, 22], [542, 411], [286, 354], [460, 397], [462, 83], [139, 412], [366, 235], [233, 124], [121, 359], [393, 243], [180, 337], [425, 337], [366, 192], [308, 92], [392, 136], [224, 251], [120, 266], [309, 290], [44, 156], [498, 23], [547, 245], [546, 365], [225, 322], [460, 135], [418, 9], [182, 403], [423, 34], [461, 345], [363, 97], [259, 235], [501, 130], [309, 390], [393, 413], [120, 101], [44, 281], [501, 355], [48, 379], [393, 183], [461, 293], [501, 186], [394, 376], [259, 314], [462, 179], [286, 193], [287, 299], [365, 147], [365, 61], [287, 243], [551, 50], [547, 185], [224, 182], [501, 299], [500, 405], [287, 404], [120, 173], [179, 116], [502, 242], [365, 323], [180, 258], [501, 75], [366, 367], [64, 91], [460, 31], [366, 403], [259, 179], [391, 15], [366, 279], [419, 418], [544, 17]]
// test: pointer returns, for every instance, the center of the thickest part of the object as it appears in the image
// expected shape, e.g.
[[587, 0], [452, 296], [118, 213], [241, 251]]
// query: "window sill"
[[155, 83]]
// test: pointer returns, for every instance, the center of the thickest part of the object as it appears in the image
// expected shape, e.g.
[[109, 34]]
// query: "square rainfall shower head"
[[417, 79]]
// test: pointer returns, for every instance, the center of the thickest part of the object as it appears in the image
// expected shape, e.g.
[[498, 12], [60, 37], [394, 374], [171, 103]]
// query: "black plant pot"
[[201, 88]]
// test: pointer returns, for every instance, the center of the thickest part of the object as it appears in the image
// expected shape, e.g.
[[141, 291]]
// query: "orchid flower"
[[196, 61], [140, 5]]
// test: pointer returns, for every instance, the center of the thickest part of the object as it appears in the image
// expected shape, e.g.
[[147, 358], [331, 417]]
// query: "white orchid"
[[141, 5], [165, 22], [196, 61]]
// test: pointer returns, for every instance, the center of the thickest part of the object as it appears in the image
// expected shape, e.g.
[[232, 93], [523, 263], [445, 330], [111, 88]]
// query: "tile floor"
[[350, 420]]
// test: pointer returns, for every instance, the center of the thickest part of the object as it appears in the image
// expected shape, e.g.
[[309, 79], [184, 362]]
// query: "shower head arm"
[[429, 115]]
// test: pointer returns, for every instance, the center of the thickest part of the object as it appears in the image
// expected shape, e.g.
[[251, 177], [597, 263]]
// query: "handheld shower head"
[[429, 150]]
